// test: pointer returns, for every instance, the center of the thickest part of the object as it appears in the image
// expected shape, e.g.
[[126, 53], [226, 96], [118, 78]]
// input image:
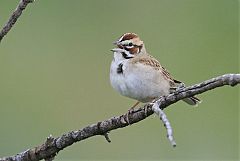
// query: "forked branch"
[[52, 145]]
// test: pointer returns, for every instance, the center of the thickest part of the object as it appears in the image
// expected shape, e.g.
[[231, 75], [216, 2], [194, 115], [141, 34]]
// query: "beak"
[[116, 43], [117, 50]]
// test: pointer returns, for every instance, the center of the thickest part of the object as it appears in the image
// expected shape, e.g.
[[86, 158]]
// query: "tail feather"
[[192, 101]]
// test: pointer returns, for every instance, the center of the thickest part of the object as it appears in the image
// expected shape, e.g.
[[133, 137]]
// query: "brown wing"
[[167, 74], [151, 61]]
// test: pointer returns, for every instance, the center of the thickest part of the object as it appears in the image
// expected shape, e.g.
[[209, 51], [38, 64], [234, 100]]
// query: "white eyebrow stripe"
[[126, 42]]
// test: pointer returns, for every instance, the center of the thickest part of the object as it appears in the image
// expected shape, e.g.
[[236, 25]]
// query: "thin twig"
[[166, 123], [53, 145], [14, 17], [107, 137]]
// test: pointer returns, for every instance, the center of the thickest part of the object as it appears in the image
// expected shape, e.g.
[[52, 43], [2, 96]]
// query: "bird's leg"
[[130, 111]]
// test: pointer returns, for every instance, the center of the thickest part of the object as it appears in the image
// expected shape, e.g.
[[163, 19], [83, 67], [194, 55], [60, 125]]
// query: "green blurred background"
[[54, 67]]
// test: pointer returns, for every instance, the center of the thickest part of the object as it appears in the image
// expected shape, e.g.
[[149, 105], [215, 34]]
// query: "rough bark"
[[14, 17]]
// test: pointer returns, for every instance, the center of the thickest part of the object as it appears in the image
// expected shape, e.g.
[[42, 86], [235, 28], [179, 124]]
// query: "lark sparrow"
[[136, 74]]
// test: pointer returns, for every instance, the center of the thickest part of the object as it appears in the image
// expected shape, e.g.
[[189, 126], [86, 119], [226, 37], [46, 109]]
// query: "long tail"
[[192, 100]]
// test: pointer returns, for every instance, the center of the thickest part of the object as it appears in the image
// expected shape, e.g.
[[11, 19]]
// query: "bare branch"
[[53, 145], [15, 15], [166, 123]]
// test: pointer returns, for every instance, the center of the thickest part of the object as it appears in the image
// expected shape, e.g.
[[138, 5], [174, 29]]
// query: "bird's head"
[[129, 45]]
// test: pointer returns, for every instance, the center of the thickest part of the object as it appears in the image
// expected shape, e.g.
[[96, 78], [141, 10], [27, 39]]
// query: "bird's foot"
[[130, 111]]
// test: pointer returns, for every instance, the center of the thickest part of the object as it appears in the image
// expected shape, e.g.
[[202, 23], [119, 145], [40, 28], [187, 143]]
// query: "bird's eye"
[[130, 44]]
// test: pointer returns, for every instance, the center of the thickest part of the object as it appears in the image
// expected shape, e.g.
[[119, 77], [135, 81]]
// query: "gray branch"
[[15, 15], [52, 146]]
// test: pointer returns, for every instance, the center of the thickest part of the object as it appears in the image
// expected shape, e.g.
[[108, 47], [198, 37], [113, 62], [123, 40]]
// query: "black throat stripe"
[[126, 56]]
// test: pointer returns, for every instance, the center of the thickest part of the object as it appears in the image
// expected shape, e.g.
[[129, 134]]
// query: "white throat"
[[121, 55]]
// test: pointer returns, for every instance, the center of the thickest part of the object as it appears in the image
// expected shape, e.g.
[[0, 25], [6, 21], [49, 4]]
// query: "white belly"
[[140, 83]]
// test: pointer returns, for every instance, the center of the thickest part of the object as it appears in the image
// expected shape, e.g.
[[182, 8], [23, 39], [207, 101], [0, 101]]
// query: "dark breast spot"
[[120, 69]]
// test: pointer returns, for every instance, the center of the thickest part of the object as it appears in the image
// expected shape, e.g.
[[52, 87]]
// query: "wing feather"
[[154, 63]]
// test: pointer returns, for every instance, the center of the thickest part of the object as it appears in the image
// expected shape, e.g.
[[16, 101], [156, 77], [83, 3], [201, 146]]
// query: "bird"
[[136, 74]]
